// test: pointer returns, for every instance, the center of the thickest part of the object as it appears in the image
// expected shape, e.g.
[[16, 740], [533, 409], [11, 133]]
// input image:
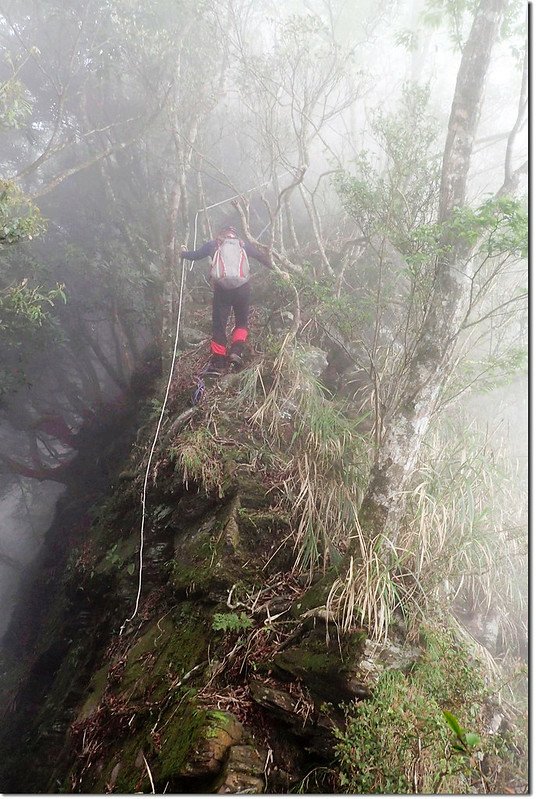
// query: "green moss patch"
[[167, 650], [208, 557], [179, 734], [144, 702], [97, 687], [326, 668]]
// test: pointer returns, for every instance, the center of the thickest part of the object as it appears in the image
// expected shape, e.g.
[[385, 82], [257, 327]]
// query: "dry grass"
[[198, 458], [461, 549], [370, 592], [465, 535], [325, 458]]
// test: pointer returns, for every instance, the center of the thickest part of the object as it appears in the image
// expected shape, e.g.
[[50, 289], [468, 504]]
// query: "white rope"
[[162, 412], [149, 462]]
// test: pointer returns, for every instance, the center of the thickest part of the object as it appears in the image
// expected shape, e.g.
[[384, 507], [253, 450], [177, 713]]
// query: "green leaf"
[[231, 622], [472, 739], [454, 724]]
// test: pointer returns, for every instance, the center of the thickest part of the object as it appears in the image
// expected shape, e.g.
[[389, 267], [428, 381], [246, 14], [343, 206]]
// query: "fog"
[[120, 120], [26, 511]]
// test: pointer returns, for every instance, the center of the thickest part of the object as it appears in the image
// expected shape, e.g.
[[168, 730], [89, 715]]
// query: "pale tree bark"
[[168, 294], [429, 364]]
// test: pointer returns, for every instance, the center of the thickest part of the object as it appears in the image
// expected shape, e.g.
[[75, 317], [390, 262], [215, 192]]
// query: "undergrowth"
[[461, 548], [325, 461], [460, 542], [198, 458], [464, 538], [426, 731]]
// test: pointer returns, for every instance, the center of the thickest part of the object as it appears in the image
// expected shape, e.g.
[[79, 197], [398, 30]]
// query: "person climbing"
[[230, 281]]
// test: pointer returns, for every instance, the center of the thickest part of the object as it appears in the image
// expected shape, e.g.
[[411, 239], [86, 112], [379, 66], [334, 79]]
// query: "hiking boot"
[[217, 365], [236, 355]]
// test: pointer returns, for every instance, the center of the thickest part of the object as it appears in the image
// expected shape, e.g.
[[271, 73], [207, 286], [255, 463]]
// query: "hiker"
[[230, 280]]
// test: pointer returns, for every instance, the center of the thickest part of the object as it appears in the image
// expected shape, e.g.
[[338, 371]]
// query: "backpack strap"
[[220, 264]]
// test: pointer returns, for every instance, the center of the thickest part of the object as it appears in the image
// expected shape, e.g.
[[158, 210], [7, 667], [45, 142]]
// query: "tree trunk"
[[168, 300], [123, 356], [108, 367], [429, 365]]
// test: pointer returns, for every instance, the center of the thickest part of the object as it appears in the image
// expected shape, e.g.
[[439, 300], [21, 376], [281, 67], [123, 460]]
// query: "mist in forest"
[[121, 121]]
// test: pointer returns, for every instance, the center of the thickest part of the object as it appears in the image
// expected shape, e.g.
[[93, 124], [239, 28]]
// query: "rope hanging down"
[[162, 412], [150, 459]]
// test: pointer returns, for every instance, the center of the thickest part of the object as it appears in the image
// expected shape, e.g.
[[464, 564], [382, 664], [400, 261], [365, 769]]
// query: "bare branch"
[[517, 298], [269, 251]]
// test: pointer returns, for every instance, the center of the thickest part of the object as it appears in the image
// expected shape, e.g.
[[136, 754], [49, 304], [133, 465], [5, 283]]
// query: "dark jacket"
[[208, 249]]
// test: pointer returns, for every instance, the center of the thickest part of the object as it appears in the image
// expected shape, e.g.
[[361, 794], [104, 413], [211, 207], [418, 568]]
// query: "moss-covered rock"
[[244, 771], [96, 690], [229, 546], [106, 713], [219, 732], [316, 594], [144, 700], [327, 666], [182, 732], [207, 557]]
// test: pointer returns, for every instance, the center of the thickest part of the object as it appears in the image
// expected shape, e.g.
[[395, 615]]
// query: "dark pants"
[[223, 300]]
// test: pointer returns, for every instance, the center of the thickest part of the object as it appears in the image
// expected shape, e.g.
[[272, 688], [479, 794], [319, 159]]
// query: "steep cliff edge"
[[232, 676]]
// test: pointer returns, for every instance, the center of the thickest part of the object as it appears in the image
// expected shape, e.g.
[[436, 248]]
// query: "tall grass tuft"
[[370, 591], [465, 533], [462, 549], [326, 462]]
